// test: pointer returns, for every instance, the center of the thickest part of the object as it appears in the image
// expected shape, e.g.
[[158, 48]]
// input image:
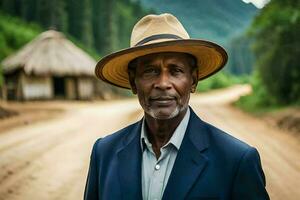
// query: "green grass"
[[255, 104], [260, 101], [221, 80]]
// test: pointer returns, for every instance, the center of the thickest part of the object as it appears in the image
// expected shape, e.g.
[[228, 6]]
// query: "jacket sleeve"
[[250, 181], [91, 187]]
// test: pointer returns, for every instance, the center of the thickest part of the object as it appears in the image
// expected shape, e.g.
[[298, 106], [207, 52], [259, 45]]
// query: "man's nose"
[[163, 81]]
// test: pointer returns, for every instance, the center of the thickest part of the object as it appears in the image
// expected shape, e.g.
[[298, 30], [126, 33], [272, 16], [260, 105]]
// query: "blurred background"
[[52, 108]]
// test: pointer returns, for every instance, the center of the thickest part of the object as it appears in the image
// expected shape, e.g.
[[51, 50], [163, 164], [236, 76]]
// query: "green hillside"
[[214, 20]]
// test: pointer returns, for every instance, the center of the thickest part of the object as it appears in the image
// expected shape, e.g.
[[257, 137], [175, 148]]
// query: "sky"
[[257, 3]]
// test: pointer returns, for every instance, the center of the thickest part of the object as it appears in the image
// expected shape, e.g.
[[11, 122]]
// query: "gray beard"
[[155, 114]]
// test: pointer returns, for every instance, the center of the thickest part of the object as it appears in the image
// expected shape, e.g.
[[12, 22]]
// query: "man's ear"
[[195, 80], [131, 76]]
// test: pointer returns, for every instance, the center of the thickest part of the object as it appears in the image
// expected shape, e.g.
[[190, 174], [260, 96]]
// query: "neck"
[[160, 131]]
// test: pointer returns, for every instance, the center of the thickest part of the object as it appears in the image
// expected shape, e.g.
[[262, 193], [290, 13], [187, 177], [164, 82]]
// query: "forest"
[[276, 47], [102, 26]]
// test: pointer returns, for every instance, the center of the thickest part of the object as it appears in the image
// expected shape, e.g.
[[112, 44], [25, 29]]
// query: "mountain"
[[215, 20]]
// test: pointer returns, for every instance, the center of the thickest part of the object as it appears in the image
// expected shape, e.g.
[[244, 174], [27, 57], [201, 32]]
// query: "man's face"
[[163, 83]]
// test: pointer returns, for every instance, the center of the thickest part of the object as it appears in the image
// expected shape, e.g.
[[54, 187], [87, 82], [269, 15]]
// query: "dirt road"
[[49, 159]]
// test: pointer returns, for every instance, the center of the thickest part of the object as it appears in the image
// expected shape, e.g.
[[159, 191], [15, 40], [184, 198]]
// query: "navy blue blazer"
[[210, 164]]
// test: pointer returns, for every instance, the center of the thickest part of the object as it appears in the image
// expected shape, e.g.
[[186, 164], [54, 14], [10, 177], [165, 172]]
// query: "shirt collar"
[[176, 138]]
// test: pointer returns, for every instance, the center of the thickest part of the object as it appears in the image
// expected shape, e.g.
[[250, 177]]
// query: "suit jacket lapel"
[[129, 165], [190, 162]]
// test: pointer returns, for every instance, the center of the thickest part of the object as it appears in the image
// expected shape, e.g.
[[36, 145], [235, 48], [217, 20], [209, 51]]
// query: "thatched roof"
[[50, 53]]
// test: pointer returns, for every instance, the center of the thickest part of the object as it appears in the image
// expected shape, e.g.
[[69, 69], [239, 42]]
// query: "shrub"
[[221, 80]]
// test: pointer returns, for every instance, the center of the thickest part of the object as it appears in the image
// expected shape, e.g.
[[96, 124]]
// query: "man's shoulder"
[[116, 139], [219, 135], [226, 142]]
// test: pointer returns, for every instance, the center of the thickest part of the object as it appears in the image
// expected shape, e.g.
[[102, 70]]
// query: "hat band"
[[157, 37]]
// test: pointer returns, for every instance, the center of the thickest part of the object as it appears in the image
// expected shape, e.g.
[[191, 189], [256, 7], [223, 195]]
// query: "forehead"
[[165, 56]]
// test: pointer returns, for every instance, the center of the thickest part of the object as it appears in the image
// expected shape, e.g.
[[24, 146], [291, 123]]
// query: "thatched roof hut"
[[47, 67], [50, 53]]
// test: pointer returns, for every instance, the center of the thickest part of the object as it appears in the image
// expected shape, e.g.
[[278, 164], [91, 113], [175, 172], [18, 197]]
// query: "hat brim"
[[210, 59]]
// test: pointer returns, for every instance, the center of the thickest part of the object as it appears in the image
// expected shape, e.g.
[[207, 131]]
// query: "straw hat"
[[160, 33]]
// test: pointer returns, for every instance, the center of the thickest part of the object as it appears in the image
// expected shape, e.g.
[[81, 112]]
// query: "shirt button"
[[157, 167]]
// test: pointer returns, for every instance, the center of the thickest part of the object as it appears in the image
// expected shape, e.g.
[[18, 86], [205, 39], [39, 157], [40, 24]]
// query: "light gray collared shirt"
[[156, 172]]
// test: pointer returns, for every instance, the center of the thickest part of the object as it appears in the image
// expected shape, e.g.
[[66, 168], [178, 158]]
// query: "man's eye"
[[150, 70], [177, 70]]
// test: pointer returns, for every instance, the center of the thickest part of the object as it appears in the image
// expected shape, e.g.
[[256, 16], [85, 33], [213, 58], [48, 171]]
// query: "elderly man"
[[170, 153]]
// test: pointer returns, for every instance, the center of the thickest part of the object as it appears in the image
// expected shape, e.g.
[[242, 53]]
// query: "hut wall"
[[13, 86], [34, 87], [103, 90], [71, 88], [85, 88]]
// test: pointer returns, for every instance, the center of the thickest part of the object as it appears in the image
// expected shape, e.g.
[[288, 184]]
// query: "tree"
[[102, 24], [132, 12], [29, 10], [240, 54], [80, 20], [11, 6], [277, 48], [104, 30], [51, 14]]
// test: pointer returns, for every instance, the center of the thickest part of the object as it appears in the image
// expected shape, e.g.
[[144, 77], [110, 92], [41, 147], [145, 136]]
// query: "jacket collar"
[[129, 164], [188, 165], [190, 161]]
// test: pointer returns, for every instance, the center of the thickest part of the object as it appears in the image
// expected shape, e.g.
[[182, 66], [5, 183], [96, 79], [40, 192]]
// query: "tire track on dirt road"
[[13, 173], [8, 141]]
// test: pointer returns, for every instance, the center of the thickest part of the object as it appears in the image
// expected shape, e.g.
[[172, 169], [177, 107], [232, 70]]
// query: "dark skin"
[[163, 83]]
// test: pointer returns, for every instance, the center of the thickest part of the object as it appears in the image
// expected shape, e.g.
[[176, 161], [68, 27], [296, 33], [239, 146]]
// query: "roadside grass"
[[260, 101], [221, 80]]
